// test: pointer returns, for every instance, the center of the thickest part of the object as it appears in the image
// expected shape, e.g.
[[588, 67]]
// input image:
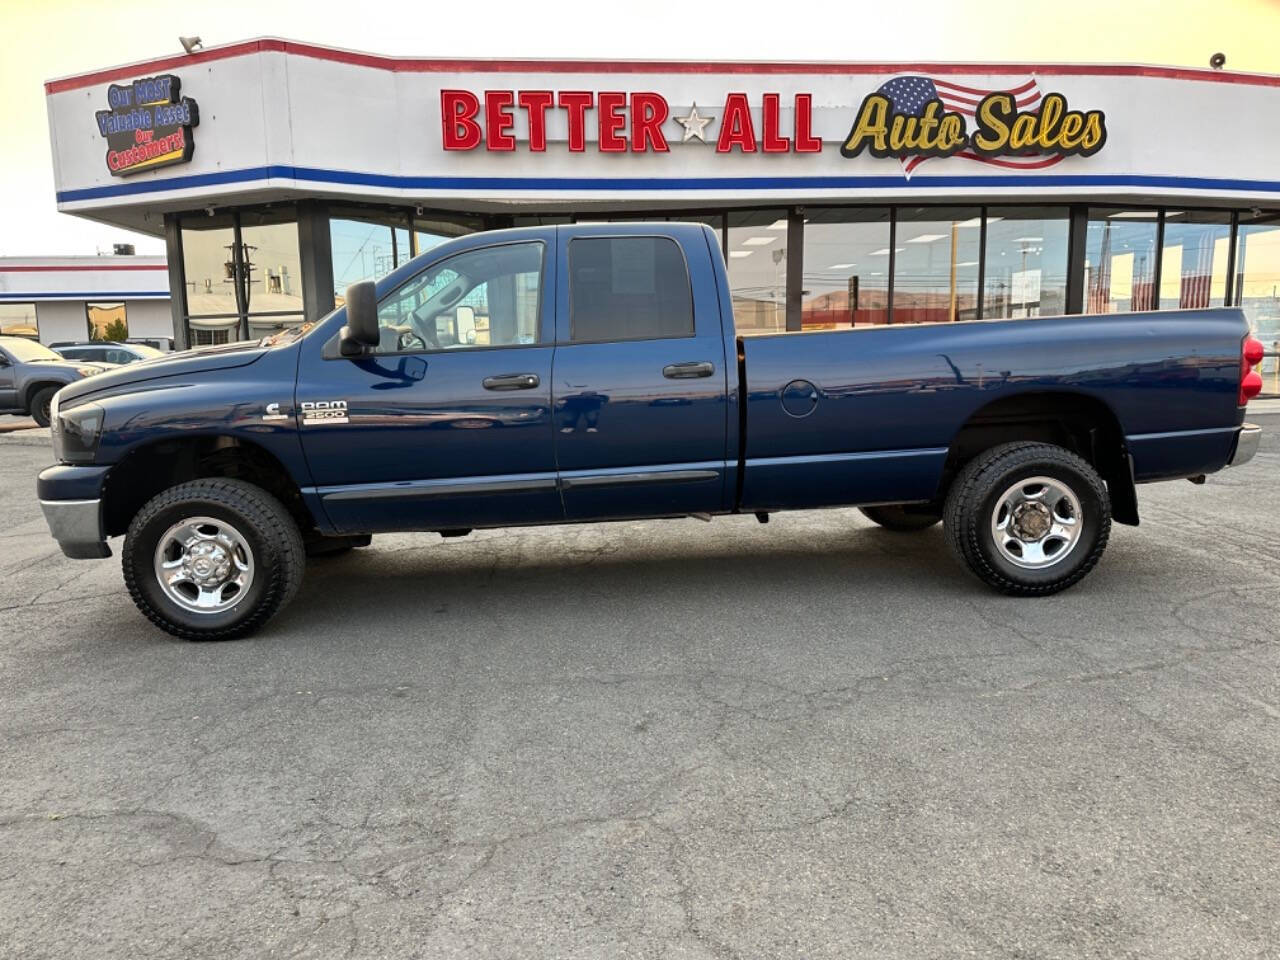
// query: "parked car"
[[163, 344], [31, 373], [106, 351], [607, 382]]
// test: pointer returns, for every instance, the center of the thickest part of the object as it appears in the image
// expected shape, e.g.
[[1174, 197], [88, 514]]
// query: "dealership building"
[[68, 299], [843, 194]]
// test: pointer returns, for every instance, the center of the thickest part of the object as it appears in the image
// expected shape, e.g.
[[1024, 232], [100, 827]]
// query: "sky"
[[55, 38]]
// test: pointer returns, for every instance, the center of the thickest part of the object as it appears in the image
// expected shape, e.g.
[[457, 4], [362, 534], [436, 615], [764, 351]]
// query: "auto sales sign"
[[910, 118], [148, 125]]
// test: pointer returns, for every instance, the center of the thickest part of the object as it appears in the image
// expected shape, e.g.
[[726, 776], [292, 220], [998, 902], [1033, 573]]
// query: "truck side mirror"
[[361, 331]]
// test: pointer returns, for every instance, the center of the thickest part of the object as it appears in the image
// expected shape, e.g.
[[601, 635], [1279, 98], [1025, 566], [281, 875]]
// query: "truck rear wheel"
[[1029, 519], [212, 559], [900, 518]]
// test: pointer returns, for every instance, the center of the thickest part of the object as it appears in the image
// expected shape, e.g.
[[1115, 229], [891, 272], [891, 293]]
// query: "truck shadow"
[[682, 574]]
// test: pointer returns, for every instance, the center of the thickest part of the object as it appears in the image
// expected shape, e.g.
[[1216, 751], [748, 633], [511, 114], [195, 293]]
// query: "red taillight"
[[1251, 352]]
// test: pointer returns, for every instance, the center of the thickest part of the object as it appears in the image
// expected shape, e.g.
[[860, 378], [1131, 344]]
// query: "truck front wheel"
[[1029, 519], [212, 559]]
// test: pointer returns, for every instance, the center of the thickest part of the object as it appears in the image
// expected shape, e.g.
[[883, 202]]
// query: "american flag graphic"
[[908, 96]]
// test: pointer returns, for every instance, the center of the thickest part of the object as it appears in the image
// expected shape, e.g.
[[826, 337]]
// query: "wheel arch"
[[31, 389], [148, 469], [1080, 422]]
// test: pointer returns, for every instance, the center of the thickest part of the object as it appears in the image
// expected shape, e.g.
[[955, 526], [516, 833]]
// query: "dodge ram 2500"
[[592, 372]]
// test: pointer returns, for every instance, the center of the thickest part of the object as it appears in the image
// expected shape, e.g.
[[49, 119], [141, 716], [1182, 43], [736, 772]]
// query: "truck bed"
[[869, 415]]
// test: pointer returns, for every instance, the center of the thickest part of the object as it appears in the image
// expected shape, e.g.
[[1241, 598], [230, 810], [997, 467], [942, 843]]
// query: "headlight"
[[76, 432], [87, 371]]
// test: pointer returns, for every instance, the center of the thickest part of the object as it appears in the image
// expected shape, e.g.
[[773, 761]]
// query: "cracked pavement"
[[664, 740]]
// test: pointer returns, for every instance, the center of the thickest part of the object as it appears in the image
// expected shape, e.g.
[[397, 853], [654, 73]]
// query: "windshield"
[[25, 351]]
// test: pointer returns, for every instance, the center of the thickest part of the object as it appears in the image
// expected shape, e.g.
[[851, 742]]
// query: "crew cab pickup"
[[592, 372]]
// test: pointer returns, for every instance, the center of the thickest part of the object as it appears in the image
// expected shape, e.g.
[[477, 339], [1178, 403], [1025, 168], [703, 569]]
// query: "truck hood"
[[186, 363]]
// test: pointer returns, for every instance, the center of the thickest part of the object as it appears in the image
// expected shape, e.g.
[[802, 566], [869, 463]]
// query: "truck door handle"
[[512, 381], [687, 371]]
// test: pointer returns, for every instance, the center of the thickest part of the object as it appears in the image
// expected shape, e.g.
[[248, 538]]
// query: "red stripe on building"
[[975, 91], [44, 268], [418, 65]]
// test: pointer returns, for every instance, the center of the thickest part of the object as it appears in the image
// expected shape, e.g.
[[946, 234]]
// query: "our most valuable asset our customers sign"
[[148, 125]]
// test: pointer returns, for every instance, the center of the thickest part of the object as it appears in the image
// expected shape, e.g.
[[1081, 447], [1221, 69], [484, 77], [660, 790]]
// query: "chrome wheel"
[[1037, 522], [204, 565]]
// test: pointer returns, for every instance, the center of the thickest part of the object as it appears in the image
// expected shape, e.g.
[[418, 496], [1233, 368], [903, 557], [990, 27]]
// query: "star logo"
[[694, 125]]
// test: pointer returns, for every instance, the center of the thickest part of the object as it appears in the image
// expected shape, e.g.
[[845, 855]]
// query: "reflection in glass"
[[1257, 286], [1119, 261], [846, 268], [208, 245], [429, 233], [757, 260], [1026, 262], [365, 245], [260, 327], [207, 336], [18, 320], [107, 321], [713, 220], [935, 274], [273, 266], [1193, 264]]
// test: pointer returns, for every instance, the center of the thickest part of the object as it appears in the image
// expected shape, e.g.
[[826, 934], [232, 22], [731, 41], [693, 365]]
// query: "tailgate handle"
[[687, 371], [512, 381]]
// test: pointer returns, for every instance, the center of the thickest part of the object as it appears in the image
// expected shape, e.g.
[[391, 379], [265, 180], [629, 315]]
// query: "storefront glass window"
[[757, 260], [208, 245], [107, 321], [273, 264], [208, 337], [226, 287], [1193, 263], [18, 320], [260, 326], [713, 220], [430, 232], [1119, 261], [846, 268], [935, 273], [1025, 274], [1257, 286], [366, 245]]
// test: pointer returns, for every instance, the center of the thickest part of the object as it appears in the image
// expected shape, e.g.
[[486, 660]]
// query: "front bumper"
[[77, 526], [71, 498], [1246, 444]]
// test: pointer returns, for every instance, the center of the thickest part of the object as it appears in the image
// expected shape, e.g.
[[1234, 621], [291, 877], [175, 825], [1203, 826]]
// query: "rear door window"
[[628, 288]]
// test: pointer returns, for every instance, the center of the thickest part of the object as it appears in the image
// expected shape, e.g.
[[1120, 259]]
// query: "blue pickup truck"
[[575, 373]]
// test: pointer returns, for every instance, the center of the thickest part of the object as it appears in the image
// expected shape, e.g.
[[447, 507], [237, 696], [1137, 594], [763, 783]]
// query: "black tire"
[[980, 487], [41, 404], [901, 518], [265, 525]]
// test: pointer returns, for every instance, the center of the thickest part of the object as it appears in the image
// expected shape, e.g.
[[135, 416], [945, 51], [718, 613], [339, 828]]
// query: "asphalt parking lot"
[[669, 740]]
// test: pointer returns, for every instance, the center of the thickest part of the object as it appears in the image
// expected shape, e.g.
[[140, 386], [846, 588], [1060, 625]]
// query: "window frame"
[[542, 271], [688, 278]]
